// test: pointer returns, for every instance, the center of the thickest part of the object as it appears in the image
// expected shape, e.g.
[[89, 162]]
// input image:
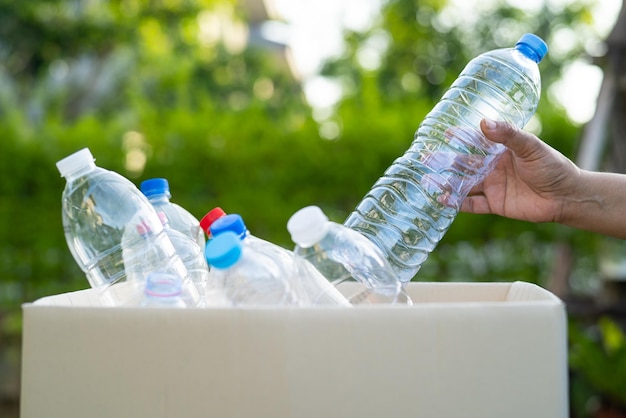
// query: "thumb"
[[522, 143]]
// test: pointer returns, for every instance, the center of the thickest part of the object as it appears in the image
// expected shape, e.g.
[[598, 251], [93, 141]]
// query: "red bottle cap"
[[213, 215]]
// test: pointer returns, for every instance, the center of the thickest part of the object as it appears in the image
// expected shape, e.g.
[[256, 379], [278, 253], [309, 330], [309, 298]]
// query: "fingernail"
[[489, 124]]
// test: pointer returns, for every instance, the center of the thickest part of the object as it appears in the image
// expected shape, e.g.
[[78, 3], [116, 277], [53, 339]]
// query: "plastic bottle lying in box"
[[342, 254], [308, 286], [248, 276]]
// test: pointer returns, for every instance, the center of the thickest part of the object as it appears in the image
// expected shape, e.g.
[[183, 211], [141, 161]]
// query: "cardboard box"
[[470, 350]]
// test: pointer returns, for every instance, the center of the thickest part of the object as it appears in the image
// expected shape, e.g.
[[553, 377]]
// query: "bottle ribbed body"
[[412, 205]]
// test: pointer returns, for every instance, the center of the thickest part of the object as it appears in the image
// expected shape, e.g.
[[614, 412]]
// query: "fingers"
[[475, 201], [477, 204], [522, 143], [477, 189]]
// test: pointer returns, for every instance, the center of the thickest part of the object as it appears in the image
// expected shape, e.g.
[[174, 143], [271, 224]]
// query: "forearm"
[[597, 204]]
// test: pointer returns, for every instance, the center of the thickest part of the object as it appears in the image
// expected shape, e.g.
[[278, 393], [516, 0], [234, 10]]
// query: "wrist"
[[596, 203]]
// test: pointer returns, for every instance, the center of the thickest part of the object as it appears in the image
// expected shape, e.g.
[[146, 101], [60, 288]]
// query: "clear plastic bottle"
[[146, 250], [112, 230], [157, 190], [182, 228], [191, 253], [410, 208], [163, 290], [308, 285], [341, 254], [248, 276]]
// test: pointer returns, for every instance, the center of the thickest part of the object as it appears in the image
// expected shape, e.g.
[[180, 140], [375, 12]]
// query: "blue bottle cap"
[[532, 46], [232, 222], [155, 187], [223, 250]]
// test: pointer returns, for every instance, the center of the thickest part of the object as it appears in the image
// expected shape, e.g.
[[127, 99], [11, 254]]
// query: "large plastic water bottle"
[[341, 254], [248, 276], [157, 190], [410, 208], [113, 231], [306, 283]]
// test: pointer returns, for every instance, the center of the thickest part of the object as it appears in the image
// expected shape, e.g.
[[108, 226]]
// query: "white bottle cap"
[[307, 226], [73, 162]]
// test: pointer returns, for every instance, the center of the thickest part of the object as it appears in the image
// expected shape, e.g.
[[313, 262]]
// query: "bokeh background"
[[263, 107]]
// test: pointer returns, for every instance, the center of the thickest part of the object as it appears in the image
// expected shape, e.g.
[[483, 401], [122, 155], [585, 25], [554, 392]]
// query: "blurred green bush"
[[142, 86], [598, 363]]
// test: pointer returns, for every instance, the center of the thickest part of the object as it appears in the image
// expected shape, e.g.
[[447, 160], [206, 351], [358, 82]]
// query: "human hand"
[[530, 182]]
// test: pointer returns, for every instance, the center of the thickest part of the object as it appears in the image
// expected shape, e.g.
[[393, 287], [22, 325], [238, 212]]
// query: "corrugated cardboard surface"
[[462, 350]]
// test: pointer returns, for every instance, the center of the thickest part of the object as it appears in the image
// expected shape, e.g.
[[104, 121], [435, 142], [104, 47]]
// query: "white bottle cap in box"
[[307, 226], [80, 159]]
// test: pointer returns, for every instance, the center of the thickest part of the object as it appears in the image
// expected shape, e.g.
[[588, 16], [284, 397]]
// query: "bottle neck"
[[316, 235], [159, 198], [528, 52]]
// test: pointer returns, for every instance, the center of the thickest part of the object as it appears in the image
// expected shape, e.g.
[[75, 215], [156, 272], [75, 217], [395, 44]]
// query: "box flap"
[[420, 292]]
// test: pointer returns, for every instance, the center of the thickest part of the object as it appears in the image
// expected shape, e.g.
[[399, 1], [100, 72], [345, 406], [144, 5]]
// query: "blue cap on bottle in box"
[[232, 222], [224, 250], [155, 187]]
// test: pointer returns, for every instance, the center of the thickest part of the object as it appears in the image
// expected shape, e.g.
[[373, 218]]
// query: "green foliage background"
[[191, 111], [134, 80]]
